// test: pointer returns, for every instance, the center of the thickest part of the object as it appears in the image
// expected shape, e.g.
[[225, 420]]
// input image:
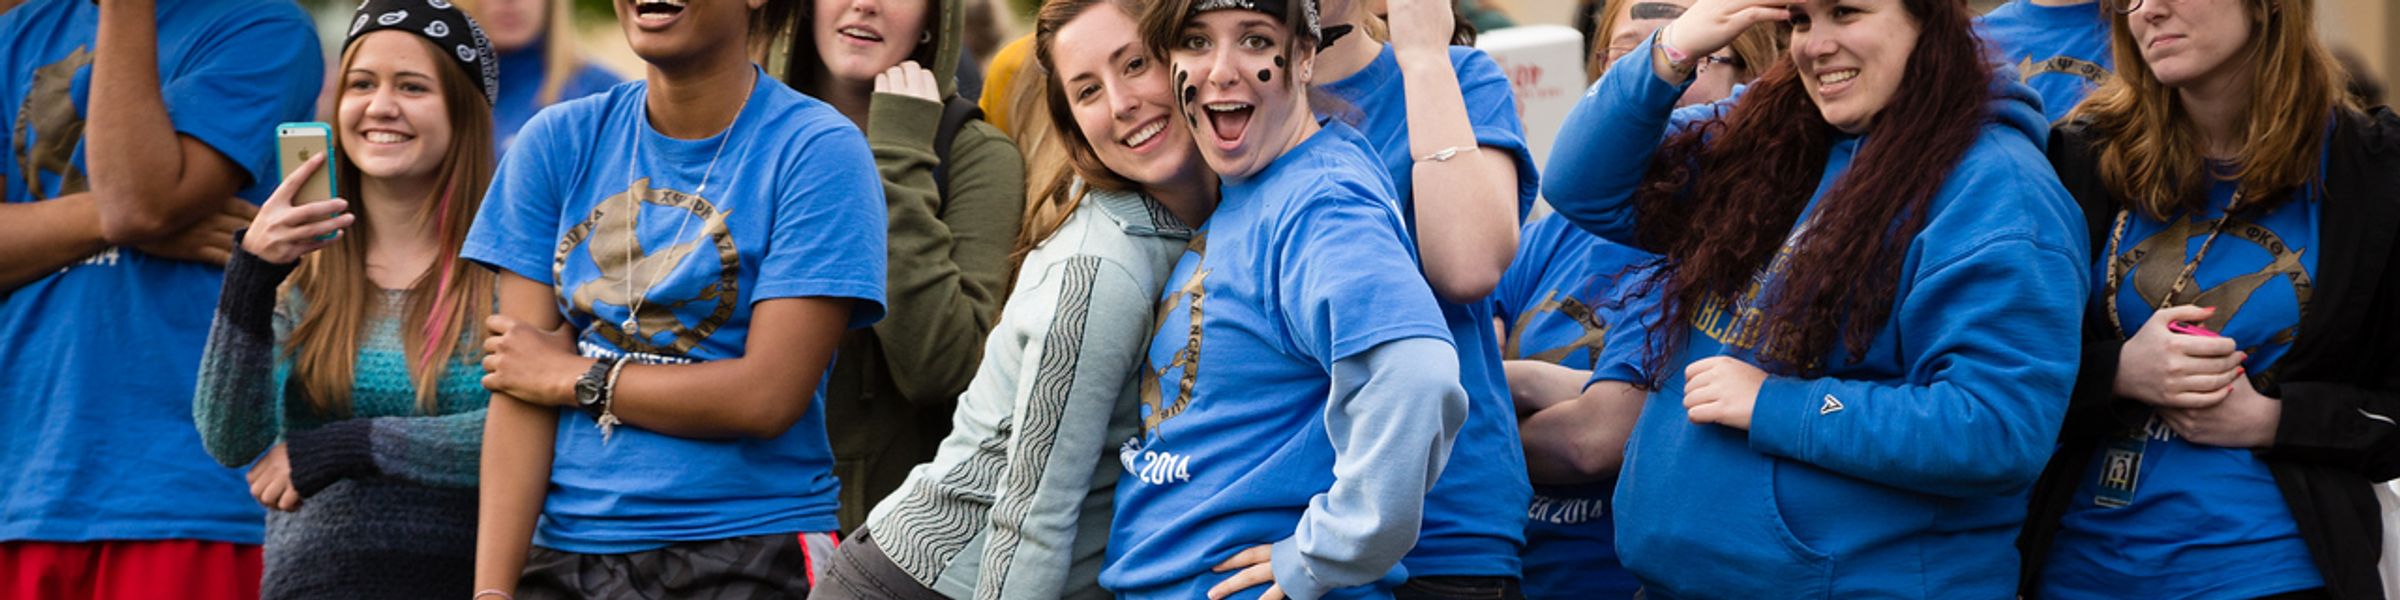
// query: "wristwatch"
[[591, 388]]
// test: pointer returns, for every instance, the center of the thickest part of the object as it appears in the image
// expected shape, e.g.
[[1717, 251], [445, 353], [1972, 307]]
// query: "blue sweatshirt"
[[1301, 391], [1899, 475]]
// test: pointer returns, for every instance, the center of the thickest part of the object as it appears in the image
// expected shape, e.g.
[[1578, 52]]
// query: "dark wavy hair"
[[1720, 213]]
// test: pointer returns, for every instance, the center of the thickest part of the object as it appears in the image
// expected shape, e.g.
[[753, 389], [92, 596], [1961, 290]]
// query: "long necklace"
[[633, 313]]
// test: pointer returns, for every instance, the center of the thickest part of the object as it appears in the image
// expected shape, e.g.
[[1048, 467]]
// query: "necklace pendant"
[[631, 323]]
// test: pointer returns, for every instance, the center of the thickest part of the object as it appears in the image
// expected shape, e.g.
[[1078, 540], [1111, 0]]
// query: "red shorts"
[[128, 570]]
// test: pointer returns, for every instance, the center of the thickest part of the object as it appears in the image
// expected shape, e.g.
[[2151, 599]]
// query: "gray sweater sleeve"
[[238, 404], [1071, 378], [1394, 411]]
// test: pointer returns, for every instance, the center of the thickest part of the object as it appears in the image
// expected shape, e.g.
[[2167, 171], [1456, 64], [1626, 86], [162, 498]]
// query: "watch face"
[[587, 389]]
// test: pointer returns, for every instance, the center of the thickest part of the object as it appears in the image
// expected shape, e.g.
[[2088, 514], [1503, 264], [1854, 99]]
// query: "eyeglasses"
[[1615, 53], [2126, 7]]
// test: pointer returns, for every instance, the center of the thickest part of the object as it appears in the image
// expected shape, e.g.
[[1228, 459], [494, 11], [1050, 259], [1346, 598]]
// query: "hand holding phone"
[[282, 233]]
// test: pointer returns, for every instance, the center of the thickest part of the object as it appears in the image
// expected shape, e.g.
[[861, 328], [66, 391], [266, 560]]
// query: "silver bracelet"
[[1445, 154]]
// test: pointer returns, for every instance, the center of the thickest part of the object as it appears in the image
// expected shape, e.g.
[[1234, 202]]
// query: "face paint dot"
[[1190, 93], [1265, 75], [1279, 63]]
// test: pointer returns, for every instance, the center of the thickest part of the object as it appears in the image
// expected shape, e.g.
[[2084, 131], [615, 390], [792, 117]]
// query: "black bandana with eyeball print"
[[1277, 8], [438, 21]]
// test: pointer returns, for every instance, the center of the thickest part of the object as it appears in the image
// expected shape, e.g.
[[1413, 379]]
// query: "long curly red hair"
[[1719, 213]]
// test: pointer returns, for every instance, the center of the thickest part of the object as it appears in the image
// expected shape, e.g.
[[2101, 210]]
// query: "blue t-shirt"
[[2160, 517], [597, 204], [1560, 301], [1462, 535], [1304, 264], [2059, 51], [521, 75], [102, 355]]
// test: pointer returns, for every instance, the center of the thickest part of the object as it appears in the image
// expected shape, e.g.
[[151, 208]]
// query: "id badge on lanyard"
[[2121, 465]]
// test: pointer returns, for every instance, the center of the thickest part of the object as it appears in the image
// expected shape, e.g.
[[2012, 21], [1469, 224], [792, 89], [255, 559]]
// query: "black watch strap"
[[591, 387]]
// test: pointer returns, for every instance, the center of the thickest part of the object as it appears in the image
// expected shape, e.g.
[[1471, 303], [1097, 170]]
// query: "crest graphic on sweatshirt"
[[643, 286]]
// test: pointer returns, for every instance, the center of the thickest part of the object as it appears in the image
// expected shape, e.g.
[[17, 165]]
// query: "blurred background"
[[2362, 30]]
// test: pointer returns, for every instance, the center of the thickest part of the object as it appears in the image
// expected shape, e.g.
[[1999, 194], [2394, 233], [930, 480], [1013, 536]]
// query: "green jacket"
[[891, 390]]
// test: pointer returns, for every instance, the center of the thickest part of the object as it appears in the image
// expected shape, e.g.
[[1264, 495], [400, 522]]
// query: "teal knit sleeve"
[[444, 450]]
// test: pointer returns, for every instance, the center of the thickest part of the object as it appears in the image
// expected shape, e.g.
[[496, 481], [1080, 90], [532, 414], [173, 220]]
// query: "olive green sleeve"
[[949, 256]]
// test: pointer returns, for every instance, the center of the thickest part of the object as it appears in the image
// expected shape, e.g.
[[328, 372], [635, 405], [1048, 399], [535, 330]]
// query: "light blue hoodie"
[[1900, 475]]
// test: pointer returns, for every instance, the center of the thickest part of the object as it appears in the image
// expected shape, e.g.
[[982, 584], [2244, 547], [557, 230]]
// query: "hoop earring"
[[925, 38]]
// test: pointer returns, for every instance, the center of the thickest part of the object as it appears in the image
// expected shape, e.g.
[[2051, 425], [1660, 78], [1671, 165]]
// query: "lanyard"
[[2119, 265]]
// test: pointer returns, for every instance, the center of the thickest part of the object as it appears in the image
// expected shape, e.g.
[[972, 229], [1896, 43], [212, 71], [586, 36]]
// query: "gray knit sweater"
[[1016, 504], [388, 494]]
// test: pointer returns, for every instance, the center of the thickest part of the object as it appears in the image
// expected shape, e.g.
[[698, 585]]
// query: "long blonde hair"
[[559, 59], [445, 306], [2149, 152]]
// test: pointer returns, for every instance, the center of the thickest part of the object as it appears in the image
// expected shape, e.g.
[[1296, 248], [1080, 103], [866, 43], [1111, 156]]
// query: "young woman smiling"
[[1027, 475], [1301, 394], [1559, 306], [2238, 369], [1867, 270], [678, 258], [345, 341], [953, 210]]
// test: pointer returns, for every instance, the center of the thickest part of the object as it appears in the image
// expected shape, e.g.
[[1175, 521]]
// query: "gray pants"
[[861, 571], [783, 565]]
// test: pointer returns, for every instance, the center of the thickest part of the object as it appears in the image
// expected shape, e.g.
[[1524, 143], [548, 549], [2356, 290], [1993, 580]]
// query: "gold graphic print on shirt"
[[631, 274], [1742, 324], [1187, 357], [1595, 333], [48, 118], [2159, 259], [2067, 65]]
